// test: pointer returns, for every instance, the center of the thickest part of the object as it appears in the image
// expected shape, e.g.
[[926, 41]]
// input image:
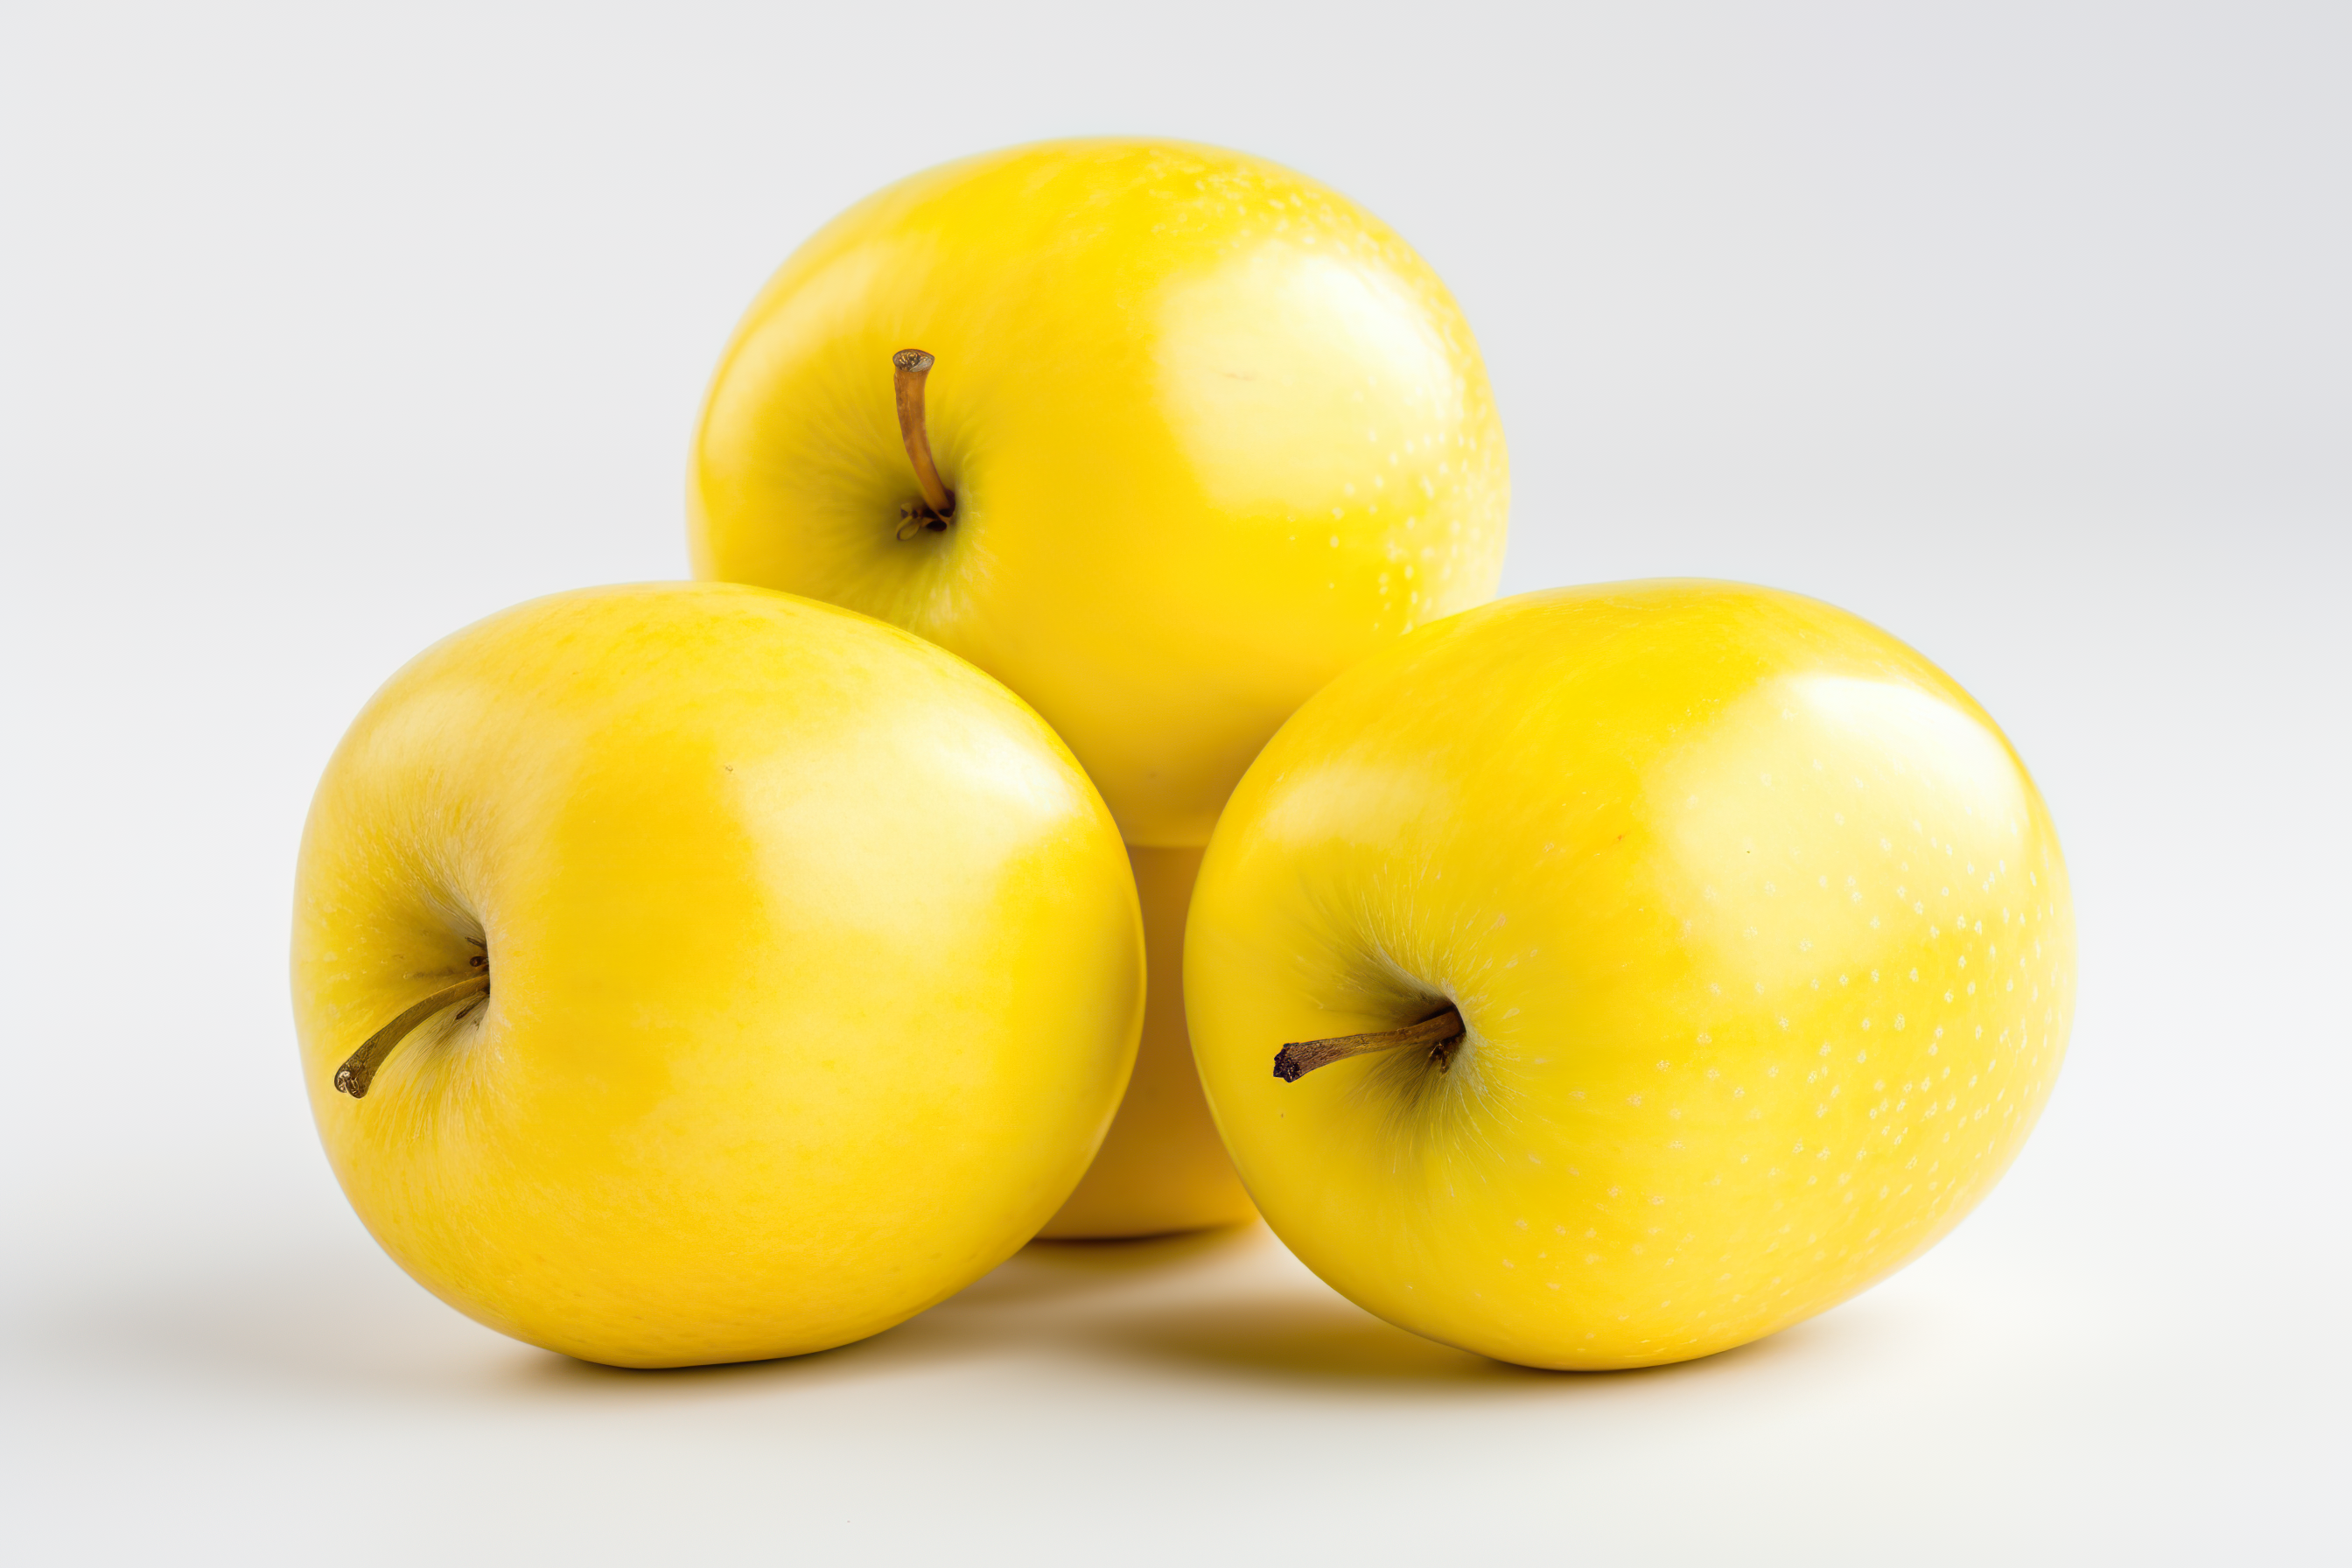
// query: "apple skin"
[[1214, 433], [1161, 1167], [1759, 929], [816, 971]]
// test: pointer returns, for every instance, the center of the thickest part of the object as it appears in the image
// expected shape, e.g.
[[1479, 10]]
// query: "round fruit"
[[1190, 435], [1713, 948], [707, 974]]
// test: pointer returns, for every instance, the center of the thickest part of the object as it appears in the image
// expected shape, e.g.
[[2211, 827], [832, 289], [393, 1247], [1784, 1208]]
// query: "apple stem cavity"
[[1441, 1034], [359, 1068], [910, 367]]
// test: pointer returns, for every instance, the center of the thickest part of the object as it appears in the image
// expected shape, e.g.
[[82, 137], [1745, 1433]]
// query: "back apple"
[[1191, 434], [1613, 975]]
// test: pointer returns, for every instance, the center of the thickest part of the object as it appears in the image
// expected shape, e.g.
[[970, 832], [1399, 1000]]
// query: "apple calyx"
[[359, 1068], [934, 511], [1441, 1034]]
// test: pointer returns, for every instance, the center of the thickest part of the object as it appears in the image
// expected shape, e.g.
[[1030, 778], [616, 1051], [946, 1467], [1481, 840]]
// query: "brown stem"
[[1440, 1034], [911, 366], [359, 1068]]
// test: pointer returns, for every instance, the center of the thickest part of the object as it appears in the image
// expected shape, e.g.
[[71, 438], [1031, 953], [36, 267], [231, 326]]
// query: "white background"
[[2022, 330]]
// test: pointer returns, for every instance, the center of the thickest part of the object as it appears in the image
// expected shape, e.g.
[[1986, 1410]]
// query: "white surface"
[[2020, 330]]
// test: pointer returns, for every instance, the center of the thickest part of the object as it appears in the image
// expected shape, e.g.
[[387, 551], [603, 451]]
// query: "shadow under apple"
[[1320, 1342], [1188, 1304], [1334, 1343], [1035, 1300], [1057, 1270]]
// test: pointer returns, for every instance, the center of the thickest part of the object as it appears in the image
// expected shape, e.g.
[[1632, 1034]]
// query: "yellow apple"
[[1161, 1167], [1199, 434], [1738, 941], [690, 973]]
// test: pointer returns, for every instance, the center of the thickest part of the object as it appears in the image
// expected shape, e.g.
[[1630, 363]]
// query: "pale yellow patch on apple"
[[1162, 1166]]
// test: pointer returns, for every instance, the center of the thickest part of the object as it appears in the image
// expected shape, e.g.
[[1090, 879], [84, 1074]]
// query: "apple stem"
[[911, 366], [359, 1068], [1441, 1033]]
